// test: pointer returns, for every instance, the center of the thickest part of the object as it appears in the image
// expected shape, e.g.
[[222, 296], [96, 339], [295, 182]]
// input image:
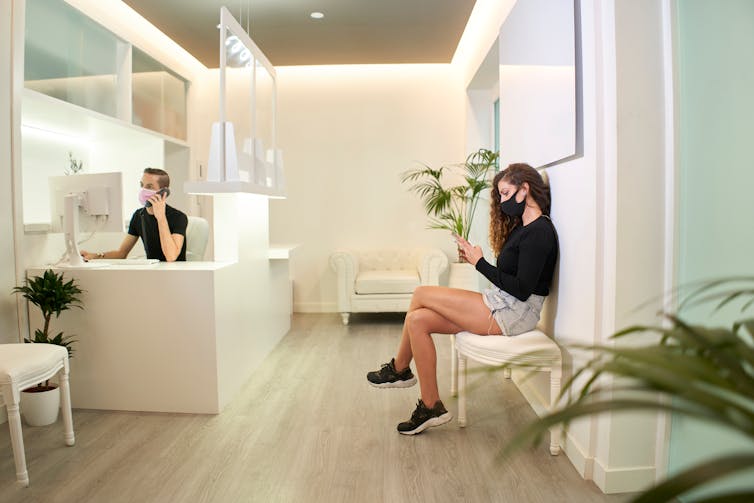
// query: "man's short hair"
[[164, 178]]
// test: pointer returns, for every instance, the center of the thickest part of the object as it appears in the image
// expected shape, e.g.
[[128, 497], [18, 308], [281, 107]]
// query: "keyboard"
[[129, 261]]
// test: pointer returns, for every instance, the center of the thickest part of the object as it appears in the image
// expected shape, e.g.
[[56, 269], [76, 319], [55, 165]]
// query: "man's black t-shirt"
[[526, 263], [144, 226]]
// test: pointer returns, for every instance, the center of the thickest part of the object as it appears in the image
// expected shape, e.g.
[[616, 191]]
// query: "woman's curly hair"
[[501, 225]]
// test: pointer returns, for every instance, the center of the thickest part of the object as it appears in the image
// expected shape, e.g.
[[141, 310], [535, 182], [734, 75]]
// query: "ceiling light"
[[316, 15]]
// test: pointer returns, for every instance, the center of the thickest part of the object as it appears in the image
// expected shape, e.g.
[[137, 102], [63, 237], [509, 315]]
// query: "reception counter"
[[172, 337]]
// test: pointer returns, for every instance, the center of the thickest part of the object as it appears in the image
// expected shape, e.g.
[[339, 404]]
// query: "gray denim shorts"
[[514, 316]]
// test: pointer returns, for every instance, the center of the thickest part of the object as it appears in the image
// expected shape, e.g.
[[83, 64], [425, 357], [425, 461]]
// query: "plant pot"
[[464, 276], [40, 405]]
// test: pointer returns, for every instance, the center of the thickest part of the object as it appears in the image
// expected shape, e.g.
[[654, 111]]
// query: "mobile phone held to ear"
[[163, 190]]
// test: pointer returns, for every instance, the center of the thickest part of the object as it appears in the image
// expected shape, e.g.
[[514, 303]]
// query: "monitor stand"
[[71, 203]]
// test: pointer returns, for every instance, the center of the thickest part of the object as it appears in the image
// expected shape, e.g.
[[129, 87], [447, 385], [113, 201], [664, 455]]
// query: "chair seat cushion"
[[529, 348], [397, 281], [21, 361]]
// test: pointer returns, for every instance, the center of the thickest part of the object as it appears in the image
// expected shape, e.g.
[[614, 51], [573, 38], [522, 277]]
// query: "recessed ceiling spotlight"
[[316, 15]]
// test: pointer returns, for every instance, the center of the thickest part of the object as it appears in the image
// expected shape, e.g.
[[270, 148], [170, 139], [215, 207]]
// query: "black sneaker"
[[388, 377], [424, 418]]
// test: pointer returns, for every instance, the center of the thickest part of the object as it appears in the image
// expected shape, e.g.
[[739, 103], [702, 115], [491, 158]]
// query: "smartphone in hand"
[[163, 190]]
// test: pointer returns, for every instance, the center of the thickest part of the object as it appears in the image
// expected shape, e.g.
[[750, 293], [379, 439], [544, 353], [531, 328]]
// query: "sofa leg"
[[345, 317]]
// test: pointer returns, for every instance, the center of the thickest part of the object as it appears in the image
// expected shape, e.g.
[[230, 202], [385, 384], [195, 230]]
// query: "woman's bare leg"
[[462, 307], [422, 323], [404, 355], [438, 310]]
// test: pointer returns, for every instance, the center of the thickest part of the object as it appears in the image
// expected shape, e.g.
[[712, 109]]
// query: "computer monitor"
[[90, 202]]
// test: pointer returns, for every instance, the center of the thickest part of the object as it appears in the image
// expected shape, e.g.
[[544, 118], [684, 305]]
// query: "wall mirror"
[[540, 83]]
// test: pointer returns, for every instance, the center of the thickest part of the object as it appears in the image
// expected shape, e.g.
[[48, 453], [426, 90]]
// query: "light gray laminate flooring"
[[305, 428]]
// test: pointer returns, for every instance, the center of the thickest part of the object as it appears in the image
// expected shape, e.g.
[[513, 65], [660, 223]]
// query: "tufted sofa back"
[[388, 259]]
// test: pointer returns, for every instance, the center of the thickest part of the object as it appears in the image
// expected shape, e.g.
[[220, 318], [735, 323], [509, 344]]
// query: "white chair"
[[531, 350], [23, 366], [383, 280], [197, 234]]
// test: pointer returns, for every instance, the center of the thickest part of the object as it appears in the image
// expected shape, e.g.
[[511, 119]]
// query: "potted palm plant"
[[53, 295], [704, 372], [451, 205]]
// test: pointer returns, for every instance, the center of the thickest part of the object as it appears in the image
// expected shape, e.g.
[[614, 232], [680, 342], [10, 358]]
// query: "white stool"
[[532, 350], [23, 366]]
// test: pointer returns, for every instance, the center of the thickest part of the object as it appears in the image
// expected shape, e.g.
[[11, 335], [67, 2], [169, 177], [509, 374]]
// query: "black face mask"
[[511, 207]]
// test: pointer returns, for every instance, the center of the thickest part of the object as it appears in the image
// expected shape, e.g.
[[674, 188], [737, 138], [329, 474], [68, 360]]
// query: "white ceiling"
[[352, 31]]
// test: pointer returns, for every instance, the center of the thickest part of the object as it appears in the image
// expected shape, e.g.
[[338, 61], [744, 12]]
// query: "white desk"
[[176, 337]]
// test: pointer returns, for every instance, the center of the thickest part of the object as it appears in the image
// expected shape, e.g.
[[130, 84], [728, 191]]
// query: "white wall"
[[347, 133], [608, 206], [8, 314]]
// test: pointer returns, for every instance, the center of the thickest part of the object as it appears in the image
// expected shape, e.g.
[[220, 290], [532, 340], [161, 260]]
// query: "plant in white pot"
[[451, 206], [53, 295], [450, 195]]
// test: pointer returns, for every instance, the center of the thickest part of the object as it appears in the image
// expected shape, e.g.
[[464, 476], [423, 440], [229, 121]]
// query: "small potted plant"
[[53, 295], [452, 206]]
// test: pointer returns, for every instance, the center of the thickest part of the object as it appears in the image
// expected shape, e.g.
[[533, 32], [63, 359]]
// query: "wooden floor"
[[306, 428]]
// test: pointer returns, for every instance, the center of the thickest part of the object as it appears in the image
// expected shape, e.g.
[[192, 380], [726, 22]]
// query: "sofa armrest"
[[346, 265], [431, 263]]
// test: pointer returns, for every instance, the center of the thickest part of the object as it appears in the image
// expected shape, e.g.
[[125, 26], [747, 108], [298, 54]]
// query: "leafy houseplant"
[[74, 165], [703, 372], [53, 295], [452, 207]]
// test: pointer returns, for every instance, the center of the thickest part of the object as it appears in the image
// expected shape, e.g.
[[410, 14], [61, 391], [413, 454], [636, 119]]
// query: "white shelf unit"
[[51, 128]]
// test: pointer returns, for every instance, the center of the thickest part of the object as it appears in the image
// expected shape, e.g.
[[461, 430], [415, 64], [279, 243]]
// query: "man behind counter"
[[162, 228]]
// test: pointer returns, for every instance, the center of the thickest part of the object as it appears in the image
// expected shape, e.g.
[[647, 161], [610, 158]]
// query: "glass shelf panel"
[[159, 96], [70, 57]]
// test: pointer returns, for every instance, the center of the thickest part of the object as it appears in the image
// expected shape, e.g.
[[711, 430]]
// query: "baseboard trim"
[[623, 480], [609, 480], [578, 457]]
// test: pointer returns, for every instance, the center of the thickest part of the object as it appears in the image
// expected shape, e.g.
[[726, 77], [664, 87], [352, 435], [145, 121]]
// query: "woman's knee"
[[422, 294], [419, 321]]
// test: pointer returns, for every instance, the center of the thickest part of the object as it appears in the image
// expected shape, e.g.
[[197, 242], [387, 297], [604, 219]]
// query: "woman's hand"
[[87, 256], [470, 252]]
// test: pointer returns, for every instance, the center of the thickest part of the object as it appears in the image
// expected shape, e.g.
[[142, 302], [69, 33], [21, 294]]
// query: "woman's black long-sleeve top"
[[526, 263]]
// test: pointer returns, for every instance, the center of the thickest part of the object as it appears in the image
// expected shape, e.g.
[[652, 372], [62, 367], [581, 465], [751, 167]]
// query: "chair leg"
[[344, 317], [556, 430], [17, 438], [65, 403], [453, 366], [461, 391]]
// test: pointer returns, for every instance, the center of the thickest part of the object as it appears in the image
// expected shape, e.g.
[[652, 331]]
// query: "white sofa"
[[381, 281]]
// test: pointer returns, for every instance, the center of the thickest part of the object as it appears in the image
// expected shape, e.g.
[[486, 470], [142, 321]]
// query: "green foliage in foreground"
[[698, 371]]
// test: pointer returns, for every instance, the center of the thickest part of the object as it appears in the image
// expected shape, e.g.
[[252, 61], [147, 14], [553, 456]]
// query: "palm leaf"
[[534, 432], [452, 207], [698, 475], [707, 371]]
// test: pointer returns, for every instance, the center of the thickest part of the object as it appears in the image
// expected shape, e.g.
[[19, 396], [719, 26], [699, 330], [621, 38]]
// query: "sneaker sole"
[[429, 423], [397, 384]]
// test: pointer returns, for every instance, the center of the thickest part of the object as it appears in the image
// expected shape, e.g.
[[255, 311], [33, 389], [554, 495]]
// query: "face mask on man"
[[145, 194], [513, 208]]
